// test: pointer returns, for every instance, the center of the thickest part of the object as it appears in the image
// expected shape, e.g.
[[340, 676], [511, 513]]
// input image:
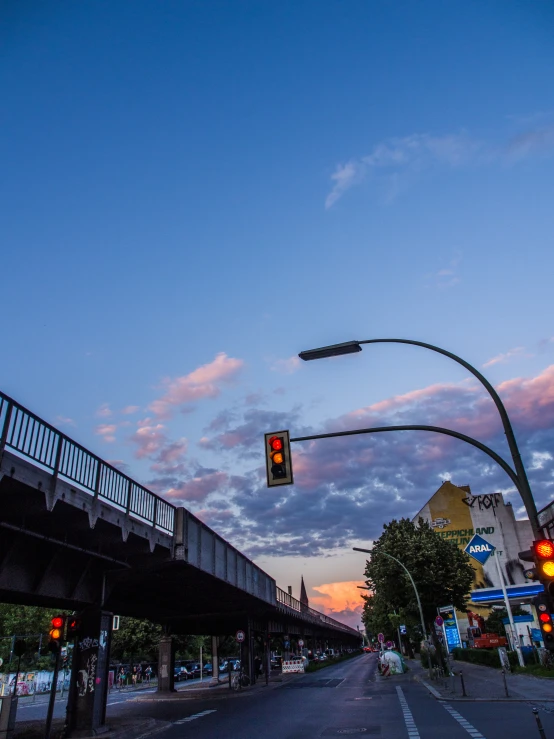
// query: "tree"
[[442, 573], [28, 623], [494, 625], [136, 639]]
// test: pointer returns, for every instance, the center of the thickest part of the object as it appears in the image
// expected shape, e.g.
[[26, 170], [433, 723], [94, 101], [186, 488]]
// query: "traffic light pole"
[[519, 477], [52, 700]]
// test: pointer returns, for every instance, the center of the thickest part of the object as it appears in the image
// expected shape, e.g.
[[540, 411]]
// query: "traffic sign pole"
[[515, 638]]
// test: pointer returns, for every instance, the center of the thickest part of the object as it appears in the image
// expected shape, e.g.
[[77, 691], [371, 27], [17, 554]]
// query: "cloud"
[[345, 488], [104, 411], [149, 438], [64, 421], [413, 153], [505, 357], [130, 409], [287, 366], [447, 277], [395, 161], [344, 177], [106, 431], [338, 596], [198, 488], [203, 382]]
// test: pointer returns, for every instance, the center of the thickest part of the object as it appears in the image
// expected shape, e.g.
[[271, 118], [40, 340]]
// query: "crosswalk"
[[195, 716]]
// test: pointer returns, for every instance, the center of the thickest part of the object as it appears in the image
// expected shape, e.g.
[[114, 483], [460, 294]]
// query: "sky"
[[194, 192]]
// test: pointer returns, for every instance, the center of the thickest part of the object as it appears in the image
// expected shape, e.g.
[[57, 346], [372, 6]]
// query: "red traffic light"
[[57, 622], [544, 548], [276, 443], [544, 617]]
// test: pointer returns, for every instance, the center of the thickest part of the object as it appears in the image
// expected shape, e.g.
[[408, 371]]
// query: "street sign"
[[479, 548], [389, 645], [381, 638], [240, 636], [300, 642], [439, 620], [115, 624], [403, 629]]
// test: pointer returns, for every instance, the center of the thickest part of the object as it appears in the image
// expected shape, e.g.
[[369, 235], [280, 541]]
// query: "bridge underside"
[[64, 553]]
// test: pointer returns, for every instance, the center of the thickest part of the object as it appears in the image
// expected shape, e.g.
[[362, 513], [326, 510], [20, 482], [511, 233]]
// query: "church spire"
[[303, 593]]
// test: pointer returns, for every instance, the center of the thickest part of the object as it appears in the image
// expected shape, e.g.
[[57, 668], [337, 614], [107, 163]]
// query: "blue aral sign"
[[479, 548]]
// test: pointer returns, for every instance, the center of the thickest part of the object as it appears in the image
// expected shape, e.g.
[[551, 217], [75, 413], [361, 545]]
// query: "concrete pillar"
[[88, 691], [215, 661], [166, 665]]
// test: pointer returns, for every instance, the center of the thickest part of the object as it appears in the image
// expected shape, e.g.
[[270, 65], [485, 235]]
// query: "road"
[[346, 699]]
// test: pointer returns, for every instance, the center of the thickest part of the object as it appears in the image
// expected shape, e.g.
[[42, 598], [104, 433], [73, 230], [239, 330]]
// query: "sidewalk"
[[485, 684]]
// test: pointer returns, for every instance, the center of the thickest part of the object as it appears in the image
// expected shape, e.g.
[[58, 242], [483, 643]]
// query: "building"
[[456, 514]]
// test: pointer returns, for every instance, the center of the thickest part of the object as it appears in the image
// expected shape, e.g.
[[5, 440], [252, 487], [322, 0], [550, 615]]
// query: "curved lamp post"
[[518, 477], [370, 551]]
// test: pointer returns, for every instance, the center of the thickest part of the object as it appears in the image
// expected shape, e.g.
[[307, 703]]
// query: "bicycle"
[[239, 680]]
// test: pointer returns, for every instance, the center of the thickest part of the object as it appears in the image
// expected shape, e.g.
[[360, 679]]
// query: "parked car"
[[233, 663], [181, 673], [193, 668], [208, 669]]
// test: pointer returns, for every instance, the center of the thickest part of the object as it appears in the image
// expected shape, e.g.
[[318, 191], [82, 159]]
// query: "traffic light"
[[542, 604], [543, 554], [56, 633], [278, 458], [73, 627]]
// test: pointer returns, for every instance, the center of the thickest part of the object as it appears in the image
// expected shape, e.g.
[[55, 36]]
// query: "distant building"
[[456, 515]]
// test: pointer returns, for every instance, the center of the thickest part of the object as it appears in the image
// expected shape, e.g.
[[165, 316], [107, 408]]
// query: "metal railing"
[[286, 599], [31, 437]]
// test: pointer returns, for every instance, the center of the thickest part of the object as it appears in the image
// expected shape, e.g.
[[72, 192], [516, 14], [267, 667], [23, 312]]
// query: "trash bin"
[[8, 711]]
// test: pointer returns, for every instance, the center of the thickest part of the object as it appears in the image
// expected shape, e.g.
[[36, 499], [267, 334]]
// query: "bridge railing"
[[31, 437], [285, 599]]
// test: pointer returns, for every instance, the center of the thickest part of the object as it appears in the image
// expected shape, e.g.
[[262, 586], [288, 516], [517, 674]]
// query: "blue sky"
[[194, 192]]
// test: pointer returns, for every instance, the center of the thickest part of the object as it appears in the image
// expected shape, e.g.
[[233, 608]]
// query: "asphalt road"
[[347, 699]]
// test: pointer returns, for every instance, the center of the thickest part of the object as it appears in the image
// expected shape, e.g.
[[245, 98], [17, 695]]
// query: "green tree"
[[28, 623], [442, 573], [494, 625], [136, 639]]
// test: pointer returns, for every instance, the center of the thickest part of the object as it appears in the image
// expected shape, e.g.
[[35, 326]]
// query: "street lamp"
[[370, 551], [519, 477]]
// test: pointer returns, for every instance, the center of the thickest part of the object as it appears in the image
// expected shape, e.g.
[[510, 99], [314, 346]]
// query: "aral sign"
[[479, 549]]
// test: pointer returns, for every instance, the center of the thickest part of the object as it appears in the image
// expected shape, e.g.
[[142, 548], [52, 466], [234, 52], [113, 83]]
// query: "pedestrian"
[[257, 666], [148, 674], [134, 675], [139, 673], [121, 678]]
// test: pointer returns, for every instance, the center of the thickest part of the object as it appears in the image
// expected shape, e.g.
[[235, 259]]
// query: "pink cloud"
[[149, 438], [106, 431], [104, 411], [130, 409], [203, 382], [501, 358], [173, 452], [198, 488]]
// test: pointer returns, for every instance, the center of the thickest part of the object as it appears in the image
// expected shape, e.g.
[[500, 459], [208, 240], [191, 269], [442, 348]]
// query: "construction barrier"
[[292, 665]]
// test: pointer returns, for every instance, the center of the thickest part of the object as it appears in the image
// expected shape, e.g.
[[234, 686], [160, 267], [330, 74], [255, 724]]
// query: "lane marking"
[[411, 727], [471, 730], [193, 717], [432, 690]]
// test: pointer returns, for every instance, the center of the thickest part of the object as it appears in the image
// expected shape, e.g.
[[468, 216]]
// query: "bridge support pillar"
[[88, 690], [166, 665], [215, 661]]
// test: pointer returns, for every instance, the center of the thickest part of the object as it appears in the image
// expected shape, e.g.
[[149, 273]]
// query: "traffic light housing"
[[278, 458], [544, 615], [73, 627], [56, 633], [543, 556]]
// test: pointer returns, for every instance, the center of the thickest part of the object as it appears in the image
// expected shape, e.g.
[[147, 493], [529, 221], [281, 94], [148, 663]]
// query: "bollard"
[[539, 724], [505, 683], [453, 681], [463, 684]]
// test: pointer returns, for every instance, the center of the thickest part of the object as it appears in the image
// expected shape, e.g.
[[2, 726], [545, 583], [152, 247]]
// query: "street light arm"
[[524, 488], [437, 429], [386, 554]]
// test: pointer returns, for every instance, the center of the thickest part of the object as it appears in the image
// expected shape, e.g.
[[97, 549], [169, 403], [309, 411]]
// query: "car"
[[233, 663], [193, 668], [322, 657], [208, 669], [181, 673]]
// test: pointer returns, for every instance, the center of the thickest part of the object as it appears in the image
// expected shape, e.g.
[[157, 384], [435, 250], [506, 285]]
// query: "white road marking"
[[413, 733], [471, 730], [193, 717]]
